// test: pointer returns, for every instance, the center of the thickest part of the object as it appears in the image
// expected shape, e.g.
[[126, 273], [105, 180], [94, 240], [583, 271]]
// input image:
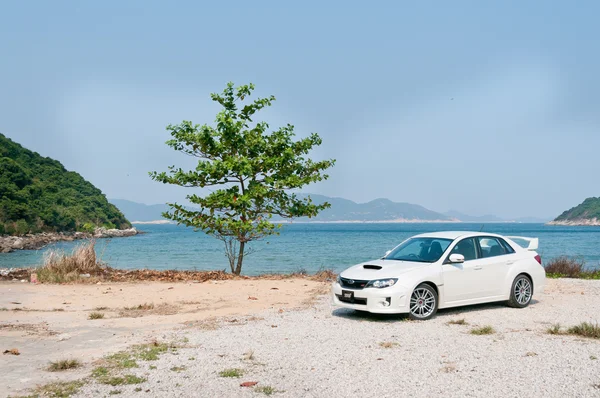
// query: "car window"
[[467, 248], [425, 250], [507, 247], [491, 247]]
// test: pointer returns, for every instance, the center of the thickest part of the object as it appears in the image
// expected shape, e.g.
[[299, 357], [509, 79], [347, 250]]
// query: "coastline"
[[153, 222], [9, 243], [582, 222]]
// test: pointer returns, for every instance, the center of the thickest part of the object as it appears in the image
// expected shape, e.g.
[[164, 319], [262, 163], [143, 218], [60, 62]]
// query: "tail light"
[[538, 258]]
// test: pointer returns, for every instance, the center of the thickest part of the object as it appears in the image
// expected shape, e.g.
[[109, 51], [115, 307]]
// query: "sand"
[[50, 322]]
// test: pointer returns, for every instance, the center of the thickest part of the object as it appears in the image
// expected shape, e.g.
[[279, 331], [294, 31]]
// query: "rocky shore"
[[37, 241], [593, 222]]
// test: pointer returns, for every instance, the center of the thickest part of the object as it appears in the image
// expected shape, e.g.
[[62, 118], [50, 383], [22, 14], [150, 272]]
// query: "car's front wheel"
[[423, 302], [521, 292]]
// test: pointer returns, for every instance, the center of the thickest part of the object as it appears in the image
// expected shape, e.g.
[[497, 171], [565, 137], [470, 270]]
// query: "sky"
[[479, 107]]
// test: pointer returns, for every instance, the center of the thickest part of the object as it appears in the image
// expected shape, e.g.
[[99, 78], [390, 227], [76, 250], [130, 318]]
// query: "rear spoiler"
[[533, 243]]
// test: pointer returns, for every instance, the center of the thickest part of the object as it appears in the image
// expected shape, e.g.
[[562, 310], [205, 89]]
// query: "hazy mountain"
[[138, 211], [375, 210], [466, 218], [341, 210], [492, 218]]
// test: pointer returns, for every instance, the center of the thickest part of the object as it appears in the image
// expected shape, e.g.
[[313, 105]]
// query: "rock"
[[18, 244], [84, 275], [37, 241], [114, 233]]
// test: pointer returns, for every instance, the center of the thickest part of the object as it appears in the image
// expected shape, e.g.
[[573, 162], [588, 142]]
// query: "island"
[[42, 202], [587, 213]]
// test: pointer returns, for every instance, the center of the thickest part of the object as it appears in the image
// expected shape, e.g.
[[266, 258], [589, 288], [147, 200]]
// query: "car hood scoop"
[[380, 269]]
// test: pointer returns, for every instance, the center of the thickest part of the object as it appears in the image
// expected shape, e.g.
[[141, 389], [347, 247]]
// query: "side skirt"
[[483, 300]]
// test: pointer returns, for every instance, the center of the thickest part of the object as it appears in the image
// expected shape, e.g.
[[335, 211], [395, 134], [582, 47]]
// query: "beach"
[[284, 335]]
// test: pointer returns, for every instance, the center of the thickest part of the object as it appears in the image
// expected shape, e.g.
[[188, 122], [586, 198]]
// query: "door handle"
[[511, 262], [477, 268]]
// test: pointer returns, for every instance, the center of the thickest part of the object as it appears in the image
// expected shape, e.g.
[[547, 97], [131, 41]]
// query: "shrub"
[[88, 227], [21, 227], [9, 228], [570, 267], [565, 266], [60, 267], [109, 225]]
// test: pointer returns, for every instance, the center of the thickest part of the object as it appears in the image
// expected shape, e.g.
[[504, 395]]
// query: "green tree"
[[254, 170]]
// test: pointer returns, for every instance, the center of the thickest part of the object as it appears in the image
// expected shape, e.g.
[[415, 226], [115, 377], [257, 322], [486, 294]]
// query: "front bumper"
[[373, 300]]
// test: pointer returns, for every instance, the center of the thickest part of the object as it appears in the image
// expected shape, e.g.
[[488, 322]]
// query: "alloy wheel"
[[422, 303], [523, 290]]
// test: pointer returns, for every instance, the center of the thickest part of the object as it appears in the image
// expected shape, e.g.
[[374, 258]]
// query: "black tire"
[[420, 306], [521, 292]]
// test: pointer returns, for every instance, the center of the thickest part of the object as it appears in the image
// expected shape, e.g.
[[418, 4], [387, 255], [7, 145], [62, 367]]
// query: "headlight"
[[381, 283], [338, 280]]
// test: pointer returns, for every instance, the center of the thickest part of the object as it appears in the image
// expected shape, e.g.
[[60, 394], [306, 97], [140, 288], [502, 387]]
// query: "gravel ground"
[[328, 352]]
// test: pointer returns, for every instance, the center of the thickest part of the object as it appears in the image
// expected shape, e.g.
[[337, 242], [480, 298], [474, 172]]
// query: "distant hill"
[[378, 210], [38, 194], [341, 210], [375, 210], [587, 213], [138, 211], [492, 218], [466, 218]]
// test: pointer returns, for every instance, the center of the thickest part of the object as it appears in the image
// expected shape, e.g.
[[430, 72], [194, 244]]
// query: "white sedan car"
[[443, 270]]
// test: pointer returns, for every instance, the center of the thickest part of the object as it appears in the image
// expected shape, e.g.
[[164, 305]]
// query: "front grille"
[[353, 283], [354, 300]]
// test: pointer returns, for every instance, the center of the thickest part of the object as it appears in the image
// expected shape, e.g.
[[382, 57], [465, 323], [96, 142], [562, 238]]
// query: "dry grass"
[[231, 373], [585, 329], [61, 267], [148, 309], [569, 267], [64, 364], [248, 355], [388, 344], [61, 389], [178, 369], [267, 390], [96, 315], [483, 330], [449, 368], [457, 322], [554, 329]]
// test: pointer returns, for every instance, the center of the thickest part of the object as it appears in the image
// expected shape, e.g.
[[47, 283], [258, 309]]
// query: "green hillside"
[[588, 210], [38, 194]]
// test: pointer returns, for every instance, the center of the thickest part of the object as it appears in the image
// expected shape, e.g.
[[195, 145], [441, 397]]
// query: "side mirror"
[[457, 258], [386, 253]]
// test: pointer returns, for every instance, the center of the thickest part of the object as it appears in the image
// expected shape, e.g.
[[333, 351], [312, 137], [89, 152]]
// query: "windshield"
[[423, 250]]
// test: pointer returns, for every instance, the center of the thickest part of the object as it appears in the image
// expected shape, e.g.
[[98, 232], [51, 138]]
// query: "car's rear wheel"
[[423, 302], [521, 292]]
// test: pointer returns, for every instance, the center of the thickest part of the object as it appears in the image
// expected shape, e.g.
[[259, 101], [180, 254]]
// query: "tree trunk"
[[240, 259]]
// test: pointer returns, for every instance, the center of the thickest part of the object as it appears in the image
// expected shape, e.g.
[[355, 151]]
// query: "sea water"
[[304, 246]]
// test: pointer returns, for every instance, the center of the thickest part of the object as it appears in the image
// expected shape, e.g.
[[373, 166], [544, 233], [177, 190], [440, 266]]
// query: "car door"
[[496, 258], [461, 281]]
